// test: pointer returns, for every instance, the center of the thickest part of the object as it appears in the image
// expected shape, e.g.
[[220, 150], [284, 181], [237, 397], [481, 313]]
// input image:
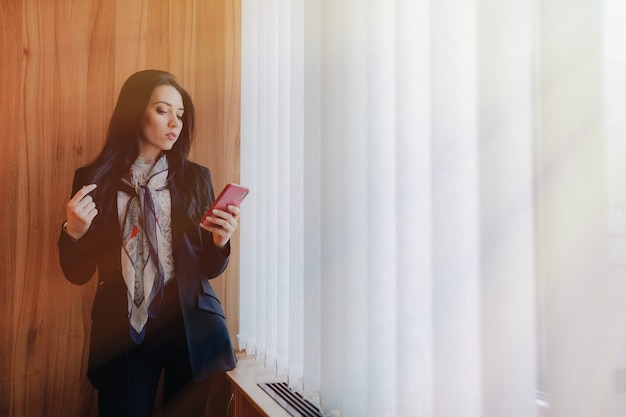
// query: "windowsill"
[[246, 376]]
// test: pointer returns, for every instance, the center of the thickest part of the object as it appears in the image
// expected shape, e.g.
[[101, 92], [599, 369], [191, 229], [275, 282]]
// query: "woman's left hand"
[[222, 225]]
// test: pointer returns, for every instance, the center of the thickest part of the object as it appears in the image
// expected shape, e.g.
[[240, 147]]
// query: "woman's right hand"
[[81, 211]]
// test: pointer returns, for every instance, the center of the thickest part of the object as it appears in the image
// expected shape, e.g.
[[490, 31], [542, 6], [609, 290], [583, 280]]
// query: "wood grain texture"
[[64, 62]]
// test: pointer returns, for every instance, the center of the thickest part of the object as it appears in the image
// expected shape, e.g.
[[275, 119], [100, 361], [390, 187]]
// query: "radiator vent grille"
[[294, 403]]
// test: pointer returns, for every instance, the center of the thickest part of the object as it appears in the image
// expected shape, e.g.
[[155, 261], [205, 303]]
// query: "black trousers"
[[164, 352]]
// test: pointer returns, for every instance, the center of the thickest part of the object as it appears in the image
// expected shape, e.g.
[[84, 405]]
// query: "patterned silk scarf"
[[140, 205]]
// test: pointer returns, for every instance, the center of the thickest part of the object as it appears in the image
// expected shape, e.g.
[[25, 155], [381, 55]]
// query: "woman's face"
[[161, 123]]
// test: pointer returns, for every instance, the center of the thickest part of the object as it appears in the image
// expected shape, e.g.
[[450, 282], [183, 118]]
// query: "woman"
[[134, 216]]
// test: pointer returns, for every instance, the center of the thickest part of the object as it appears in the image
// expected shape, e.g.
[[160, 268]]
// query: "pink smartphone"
[[233, 194]]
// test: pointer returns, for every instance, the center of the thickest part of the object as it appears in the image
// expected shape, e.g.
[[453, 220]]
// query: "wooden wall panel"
[[63, 64], [9, 154]]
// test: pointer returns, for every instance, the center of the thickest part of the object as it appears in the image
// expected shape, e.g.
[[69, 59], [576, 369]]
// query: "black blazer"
[[196, 261]]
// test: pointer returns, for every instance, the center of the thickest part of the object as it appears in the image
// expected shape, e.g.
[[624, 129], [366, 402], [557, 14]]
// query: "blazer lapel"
[[178, 218]]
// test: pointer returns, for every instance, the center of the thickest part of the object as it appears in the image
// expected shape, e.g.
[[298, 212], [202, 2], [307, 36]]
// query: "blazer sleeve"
[[214, 259], [78, 257]]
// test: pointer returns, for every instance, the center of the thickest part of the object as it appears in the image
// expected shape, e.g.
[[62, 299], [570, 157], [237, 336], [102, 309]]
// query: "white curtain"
[[364, 141], [615, 108], [272, 166]]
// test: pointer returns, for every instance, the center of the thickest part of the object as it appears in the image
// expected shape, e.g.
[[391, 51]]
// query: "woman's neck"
[[148, 159]]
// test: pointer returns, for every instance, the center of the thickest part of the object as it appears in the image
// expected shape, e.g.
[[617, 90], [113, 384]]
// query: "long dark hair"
[[121, 147]]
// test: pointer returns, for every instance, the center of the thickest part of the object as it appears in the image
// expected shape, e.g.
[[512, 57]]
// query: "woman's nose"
[[175, 121]]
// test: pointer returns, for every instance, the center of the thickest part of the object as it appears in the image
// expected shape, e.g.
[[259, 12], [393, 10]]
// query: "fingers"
[[82, 206], [82, 201], [224, 219], [84, 191], [235, 211], [222, 224], [81, 210], [90, 212]]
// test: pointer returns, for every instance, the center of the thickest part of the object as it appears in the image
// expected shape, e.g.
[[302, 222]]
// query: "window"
[[389, 266]]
